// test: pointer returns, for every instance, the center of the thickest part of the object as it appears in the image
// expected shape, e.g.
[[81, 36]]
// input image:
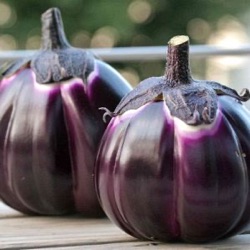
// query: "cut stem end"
[[177, 40]]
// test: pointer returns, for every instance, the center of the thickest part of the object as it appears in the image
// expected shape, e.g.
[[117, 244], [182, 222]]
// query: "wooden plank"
[[18, 231], [235, 243]]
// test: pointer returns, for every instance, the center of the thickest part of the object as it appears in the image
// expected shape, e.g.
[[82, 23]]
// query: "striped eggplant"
[[50, 125], [174, 162]]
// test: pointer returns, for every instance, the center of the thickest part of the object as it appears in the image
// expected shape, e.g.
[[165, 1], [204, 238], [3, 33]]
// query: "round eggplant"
[[174, 162], [50, 125]]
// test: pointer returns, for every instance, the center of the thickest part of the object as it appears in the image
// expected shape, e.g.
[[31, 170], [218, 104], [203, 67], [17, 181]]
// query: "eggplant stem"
[[53, 36], [177, 68]]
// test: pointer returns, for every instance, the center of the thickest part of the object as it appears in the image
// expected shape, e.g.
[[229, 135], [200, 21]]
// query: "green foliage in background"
[[167, 18], [95, 23]]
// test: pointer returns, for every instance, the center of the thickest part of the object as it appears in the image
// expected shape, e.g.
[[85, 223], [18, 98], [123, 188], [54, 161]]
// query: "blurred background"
[[130, 23]]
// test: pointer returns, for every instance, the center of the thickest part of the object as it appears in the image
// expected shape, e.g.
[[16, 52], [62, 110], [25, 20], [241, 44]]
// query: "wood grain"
[[18, 231]]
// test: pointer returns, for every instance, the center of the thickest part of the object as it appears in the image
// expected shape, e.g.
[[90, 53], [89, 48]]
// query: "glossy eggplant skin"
[[158, 178], [49, 134]]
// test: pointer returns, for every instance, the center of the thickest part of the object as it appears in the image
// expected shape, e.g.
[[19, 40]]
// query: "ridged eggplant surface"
[[50, 125], [163, 175]]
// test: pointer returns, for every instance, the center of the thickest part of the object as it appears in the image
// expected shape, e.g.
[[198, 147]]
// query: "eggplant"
[[174, 162], [50, 125]]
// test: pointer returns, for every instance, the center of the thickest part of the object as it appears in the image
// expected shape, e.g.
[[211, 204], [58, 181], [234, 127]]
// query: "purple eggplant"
[[50, 125], [174, 162]]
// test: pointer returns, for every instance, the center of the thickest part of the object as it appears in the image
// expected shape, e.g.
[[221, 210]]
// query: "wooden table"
[[18, 231]]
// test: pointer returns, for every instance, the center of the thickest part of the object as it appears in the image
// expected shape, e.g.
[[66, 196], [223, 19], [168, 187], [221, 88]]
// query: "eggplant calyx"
[[56, 60], [245, 95], [148, 90], [11, 68], [193, 101], [224, 90], [107, 113]]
